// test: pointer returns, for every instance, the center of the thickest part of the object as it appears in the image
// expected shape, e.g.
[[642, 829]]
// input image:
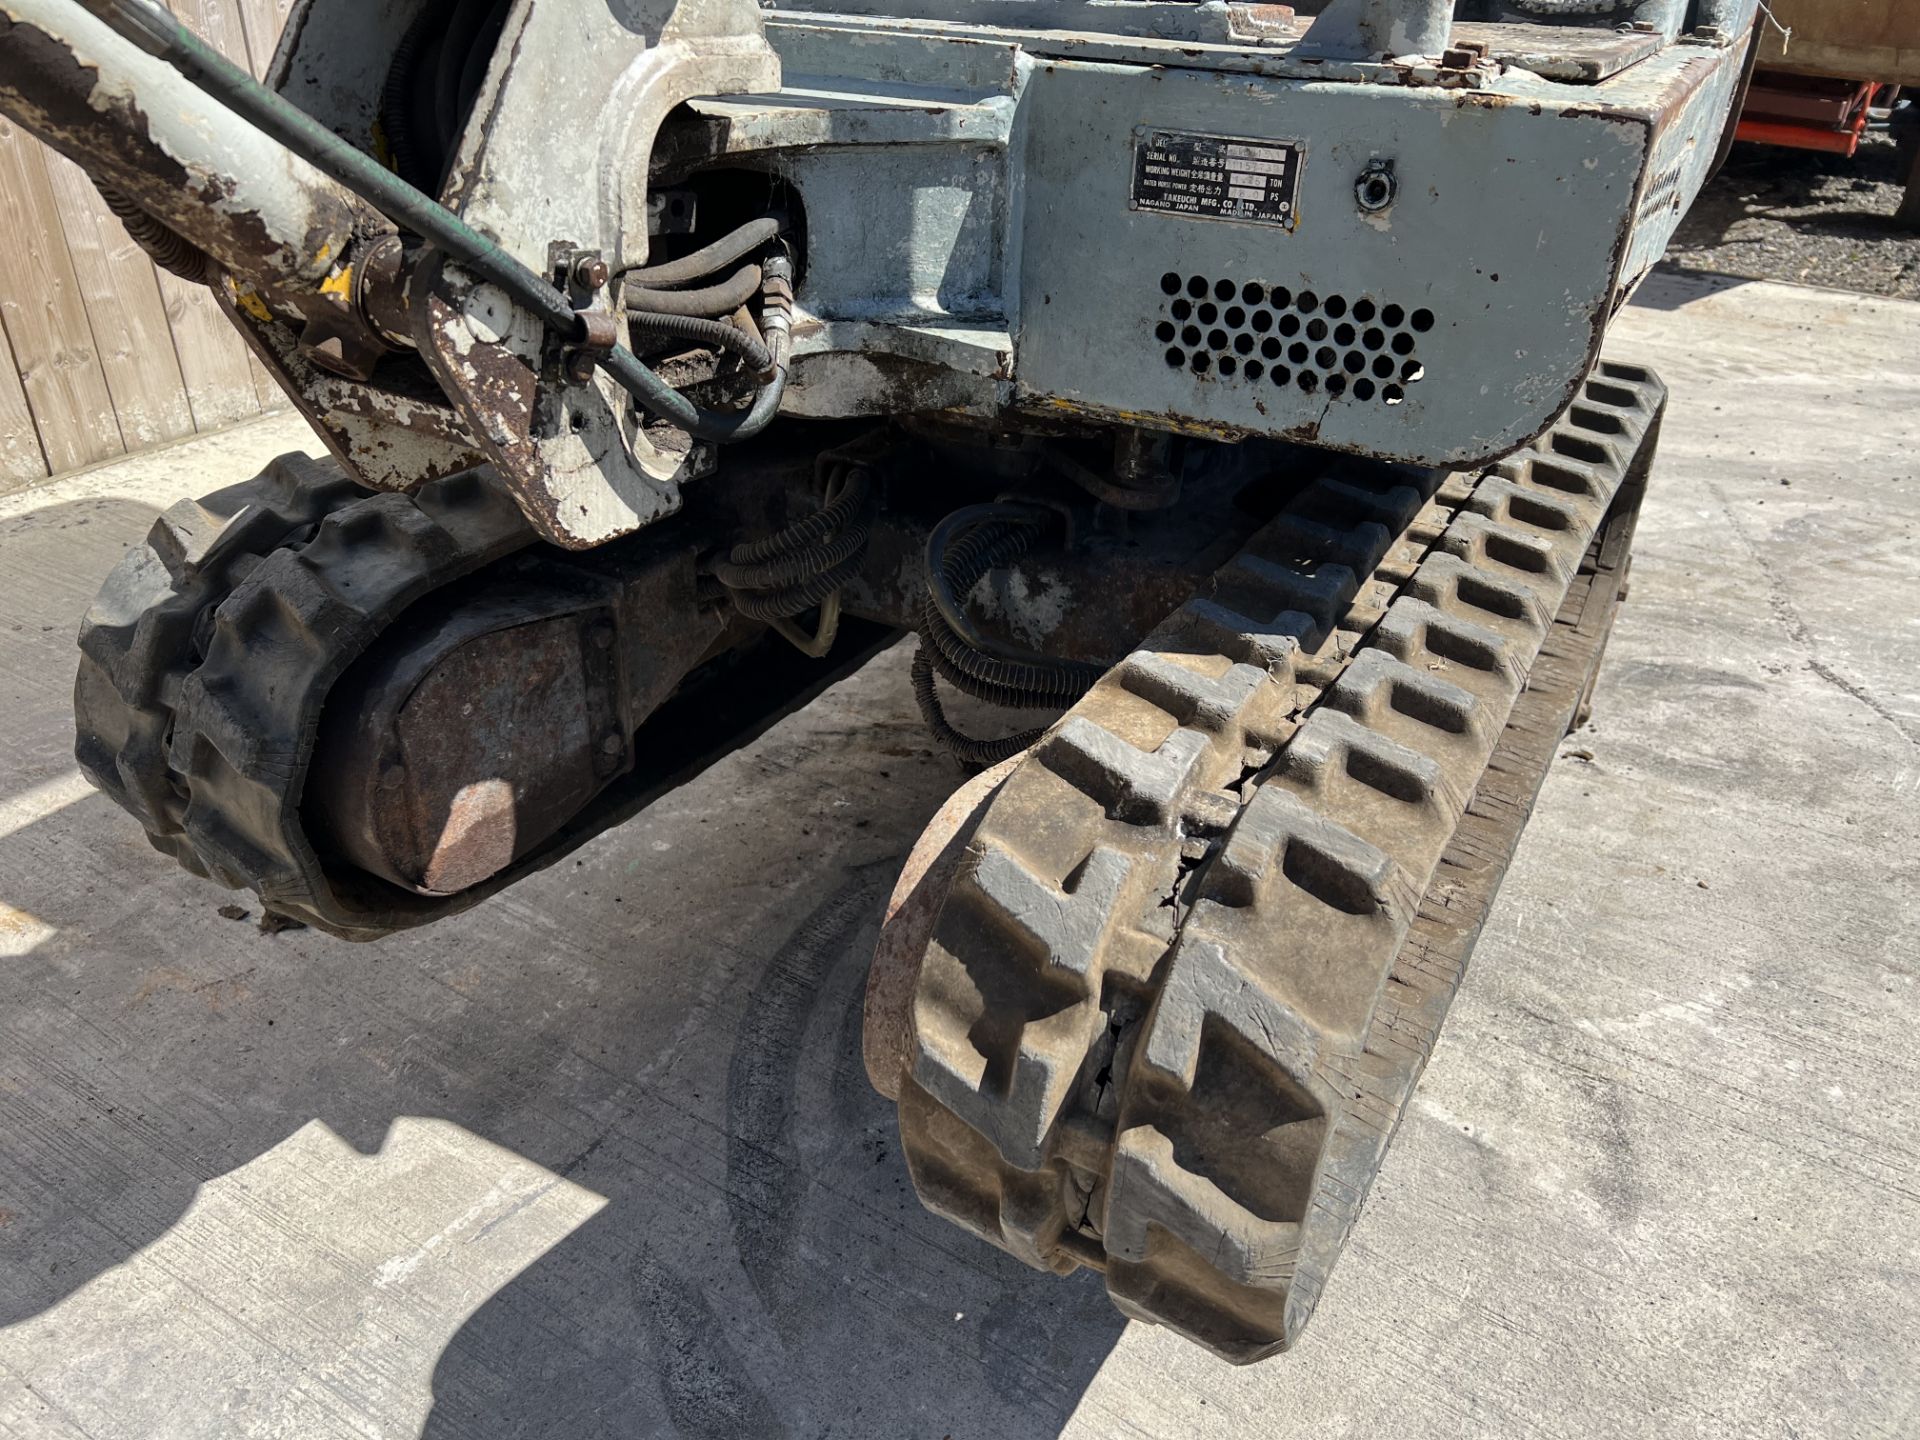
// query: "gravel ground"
[[1778, 214]]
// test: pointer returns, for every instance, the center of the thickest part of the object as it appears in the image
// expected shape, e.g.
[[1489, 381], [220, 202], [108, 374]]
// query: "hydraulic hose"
[[777, 323], [707, 332], [784, 570], [796, 568], [795, 599], [712, 300], [734, 245], [396, 96], [968, 749], [963, 547], [166, 247], [970, 542], [804, 534], [149, 25]]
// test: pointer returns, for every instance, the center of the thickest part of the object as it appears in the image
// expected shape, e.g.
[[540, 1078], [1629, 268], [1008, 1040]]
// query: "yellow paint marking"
[[250, 301]]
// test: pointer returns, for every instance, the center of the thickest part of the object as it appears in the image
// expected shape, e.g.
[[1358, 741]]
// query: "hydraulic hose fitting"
[[776, 313]]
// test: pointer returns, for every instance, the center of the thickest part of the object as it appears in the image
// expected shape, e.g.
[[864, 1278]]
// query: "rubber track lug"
[[1197, 1104]]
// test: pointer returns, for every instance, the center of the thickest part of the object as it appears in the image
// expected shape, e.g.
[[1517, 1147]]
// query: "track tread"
[[1259, 1049], [206, 658], [137, 640]]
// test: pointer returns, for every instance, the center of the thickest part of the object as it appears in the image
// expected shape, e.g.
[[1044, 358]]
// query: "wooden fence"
[[104, 354]]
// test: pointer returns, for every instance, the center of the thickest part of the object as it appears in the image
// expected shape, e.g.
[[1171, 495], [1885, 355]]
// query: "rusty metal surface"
[[396, 433], [301, 265], [568, 442], [132, 120], [570, 452], [1575, 54], [469, 735]]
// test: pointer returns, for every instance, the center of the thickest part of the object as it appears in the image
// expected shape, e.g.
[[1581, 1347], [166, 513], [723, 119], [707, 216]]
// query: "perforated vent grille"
[[1267, 335]]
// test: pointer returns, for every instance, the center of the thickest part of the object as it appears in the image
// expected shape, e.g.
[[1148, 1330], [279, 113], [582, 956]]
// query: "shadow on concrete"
[[1672, 288], [804, 1293], [670, 1019]]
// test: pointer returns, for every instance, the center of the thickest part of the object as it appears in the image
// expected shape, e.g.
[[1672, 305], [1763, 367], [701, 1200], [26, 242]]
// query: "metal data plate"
[[1215, 177]]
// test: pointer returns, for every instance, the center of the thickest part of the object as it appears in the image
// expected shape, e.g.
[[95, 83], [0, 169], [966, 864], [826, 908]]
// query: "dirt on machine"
[[1217, 393]]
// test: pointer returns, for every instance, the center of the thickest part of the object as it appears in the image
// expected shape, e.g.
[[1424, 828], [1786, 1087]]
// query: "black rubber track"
[[149, 625], [1165, 1026], [211, 647]]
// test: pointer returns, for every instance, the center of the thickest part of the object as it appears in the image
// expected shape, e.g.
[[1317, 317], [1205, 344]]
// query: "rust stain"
[[476, 840]]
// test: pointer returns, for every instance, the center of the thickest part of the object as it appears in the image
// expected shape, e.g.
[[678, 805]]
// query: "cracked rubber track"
[[1179, 992]]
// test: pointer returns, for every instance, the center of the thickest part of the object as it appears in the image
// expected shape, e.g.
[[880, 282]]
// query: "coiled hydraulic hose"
[[850, 500], [791, 571], [431, 82], [396, 97], [166, 247], [963, 547], [967, 749], [150, 26], [798, 598], [784, 570]]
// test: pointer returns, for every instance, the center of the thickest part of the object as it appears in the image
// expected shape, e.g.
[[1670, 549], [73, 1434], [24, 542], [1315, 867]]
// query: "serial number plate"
[[1216, 177]]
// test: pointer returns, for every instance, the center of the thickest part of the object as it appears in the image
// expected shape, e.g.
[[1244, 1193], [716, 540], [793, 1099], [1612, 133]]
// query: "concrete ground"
[[598, 1159]]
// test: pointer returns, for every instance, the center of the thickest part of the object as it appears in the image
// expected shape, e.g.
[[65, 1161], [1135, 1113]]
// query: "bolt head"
[[591, 272]]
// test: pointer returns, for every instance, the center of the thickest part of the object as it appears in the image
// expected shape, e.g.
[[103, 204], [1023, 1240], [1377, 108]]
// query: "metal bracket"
[[568, 442]]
